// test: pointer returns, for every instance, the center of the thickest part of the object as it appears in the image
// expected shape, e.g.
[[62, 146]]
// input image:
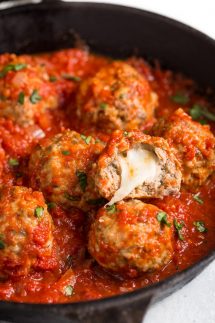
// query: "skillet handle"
[[129, 313]]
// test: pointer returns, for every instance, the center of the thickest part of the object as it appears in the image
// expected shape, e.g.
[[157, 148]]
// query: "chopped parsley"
[[13, 162], [82, 178], [38, 212], [200, 226], [19, 174], [35, 97], [162, 218], [12, 67], [51, 205], [178, 226], [198, 112], [71, 77], [65, 152], [98, 141], [87, 139], [21, 98], [68, 290], [2, 243], [103, 106], [198, 199], [52, 78], [111, 208], [71, 197], [180, 98]]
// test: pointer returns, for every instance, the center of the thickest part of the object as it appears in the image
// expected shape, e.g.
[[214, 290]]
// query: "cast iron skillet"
[[117, 31]]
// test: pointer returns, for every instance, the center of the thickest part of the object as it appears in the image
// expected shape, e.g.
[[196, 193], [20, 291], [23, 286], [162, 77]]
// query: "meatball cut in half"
[[59, 167], [25, 89], [194, 146], [26, 231], [128, 238], [117, 97], [135, 165]]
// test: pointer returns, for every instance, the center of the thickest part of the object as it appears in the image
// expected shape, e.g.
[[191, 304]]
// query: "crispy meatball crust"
[[25, 89], [59, 167], [130, 239], [194, 146], [108, 174], [26, 239], [117, 97]]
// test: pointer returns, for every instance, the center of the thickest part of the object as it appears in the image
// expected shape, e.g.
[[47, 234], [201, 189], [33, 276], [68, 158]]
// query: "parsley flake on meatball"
[[25, 89], [59, 167], [128, 238], [117, 97], [194, 146], [26, 231]]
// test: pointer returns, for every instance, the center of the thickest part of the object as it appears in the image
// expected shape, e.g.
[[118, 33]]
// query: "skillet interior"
[[119, 32]]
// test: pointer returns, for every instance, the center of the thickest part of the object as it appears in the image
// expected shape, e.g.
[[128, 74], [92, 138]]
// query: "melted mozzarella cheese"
[[140, 165]]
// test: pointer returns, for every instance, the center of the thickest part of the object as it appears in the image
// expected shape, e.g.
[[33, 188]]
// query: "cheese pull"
[[137, 167]]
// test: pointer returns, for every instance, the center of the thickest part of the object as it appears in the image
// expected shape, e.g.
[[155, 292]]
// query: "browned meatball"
[[128, 238], [59, 167], [135, 165], [26, 231], [117, 97], [25, 89], [194, 146]]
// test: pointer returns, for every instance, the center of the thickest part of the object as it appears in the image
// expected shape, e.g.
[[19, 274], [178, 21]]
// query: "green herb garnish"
[[87, 139], [111, 208], [198, 199], [13, 162], [162, 218], [178, 226], [21, 98], [12, 67], [38, 212], [51, 205], [180, 98], [18, 174], [2, 243], [35, 97], [200, 226], [68, 290], [65, 152], [71, 77], [103, 106], [197, 111], [52, 78], [82, 178]]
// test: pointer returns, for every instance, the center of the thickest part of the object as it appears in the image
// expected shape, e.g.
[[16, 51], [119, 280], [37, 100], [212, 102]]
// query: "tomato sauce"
[[76, 268]]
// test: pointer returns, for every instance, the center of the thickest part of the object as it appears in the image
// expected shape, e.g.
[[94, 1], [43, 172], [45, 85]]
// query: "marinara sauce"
[[78, 277]]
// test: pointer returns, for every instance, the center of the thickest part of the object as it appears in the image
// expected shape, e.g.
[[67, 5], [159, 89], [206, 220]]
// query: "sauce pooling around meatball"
[[106, 175]]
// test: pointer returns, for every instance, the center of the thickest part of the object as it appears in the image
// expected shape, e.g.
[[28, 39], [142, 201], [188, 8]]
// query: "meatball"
[[25, 89], [117, 97], [128, 238], [26, 231], [59, 167], [194, 146], [135, 165]]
